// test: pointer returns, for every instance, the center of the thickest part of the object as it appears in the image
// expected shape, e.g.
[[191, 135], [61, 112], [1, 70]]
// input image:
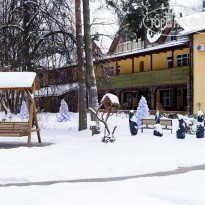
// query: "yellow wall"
[[125, 66], [199, 73], [159, 61]]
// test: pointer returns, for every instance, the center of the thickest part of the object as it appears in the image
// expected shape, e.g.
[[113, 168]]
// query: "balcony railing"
[[151, 78]]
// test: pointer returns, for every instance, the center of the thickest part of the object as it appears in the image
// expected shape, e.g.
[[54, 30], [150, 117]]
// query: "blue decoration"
[[200, 125], [24, 114], [157, 126], [181, 129], [142, 111], [64, 116], [132, 123]]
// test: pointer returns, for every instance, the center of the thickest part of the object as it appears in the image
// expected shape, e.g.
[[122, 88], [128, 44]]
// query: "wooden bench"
[[163, 122], [14, 129]]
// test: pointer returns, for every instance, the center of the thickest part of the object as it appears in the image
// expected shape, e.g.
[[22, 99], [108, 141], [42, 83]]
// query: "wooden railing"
[[149, 78]]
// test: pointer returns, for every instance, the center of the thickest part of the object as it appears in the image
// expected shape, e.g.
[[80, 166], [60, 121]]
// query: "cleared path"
[[180, 170]]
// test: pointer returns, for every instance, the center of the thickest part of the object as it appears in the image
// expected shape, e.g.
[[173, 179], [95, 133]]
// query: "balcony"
[[151, 78]]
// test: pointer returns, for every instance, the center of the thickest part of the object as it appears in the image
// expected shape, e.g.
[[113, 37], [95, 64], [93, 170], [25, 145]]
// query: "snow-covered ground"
[[68, 154], [185, 189]]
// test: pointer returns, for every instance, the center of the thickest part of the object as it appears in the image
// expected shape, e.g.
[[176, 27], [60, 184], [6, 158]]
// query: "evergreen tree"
[[64, 116], [142, 111], [131, 14], [24, 114]]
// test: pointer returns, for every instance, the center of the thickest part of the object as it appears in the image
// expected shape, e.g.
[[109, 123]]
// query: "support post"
[[35, 116], [30, 119]]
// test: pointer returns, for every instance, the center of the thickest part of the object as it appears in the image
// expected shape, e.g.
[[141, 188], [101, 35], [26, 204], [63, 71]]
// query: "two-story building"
[[168, 71]]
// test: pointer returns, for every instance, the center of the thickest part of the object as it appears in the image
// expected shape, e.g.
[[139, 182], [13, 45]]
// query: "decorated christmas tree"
[[24, 114], [142, 111], [64, 116]]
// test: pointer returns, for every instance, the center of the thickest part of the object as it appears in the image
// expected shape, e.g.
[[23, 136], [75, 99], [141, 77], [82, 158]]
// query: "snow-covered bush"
[[64, 116], [142, 111], [24, 113], [190, 125]]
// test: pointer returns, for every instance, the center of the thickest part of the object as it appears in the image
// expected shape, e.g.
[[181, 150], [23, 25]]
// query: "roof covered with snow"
[[171, 44], [56, 90], [112, 98], [192, 23], [15, 80]]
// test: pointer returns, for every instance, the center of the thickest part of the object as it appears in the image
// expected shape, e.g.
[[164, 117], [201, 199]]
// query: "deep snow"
[[68, 154]]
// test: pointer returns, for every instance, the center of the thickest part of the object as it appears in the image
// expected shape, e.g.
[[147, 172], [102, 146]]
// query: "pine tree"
[[64, 116], [142, 111], [131, 15], [24, 114]]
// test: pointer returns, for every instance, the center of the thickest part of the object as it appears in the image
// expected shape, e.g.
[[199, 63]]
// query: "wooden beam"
[[133, 65], [30, 115], [35, 115]]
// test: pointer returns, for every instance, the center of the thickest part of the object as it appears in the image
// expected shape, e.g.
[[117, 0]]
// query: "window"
[[134, 45], [128, 100], [129, 46], [173, 35], [169, 62], [109, 71], [139, 44], [183, 60], [165, 98], [204, 5]]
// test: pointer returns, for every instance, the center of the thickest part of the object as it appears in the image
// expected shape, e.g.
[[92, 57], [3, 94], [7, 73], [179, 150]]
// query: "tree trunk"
[[91, 80], [82, 101], [190, 78]]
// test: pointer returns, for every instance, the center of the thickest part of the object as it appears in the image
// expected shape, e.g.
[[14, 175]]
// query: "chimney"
[[180, 14]]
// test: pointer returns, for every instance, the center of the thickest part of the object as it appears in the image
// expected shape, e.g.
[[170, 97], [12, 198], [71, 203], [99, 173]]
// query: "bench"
[[163, 122], [14, 129]]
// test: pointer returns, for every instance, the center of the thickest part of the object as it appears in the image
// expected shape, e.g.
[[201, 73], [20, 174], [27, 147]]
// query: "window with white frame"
[[134, 45], [173, 35], [183, 60], [165, 98]]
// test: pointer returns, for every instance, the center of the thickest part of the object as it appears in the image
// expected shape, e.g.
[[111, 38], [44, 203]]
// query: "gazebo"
[[25, 81]]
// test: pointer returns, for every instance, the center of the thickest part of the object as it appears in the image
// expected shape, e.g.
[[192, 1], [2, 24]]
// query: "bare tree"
[[82, 101], [90, 73]]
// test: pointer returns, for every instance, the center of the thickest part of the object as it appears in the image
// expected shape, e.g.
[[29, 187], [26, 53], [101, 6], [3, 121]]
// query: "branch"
[[51, 34], [11, 26]]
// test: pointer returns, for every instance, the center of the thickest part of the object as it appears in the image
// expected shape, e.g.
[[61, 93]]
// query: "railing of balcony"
[[150, 78]]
